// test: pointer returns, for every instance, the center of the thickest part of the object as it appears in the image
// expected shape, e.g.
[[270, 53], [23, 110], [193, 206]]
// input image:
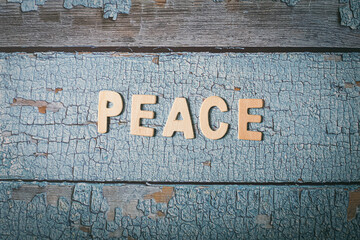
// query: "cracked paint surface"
[[28, 5], [81, 211], [310, 119], [111, 7], [350, 13]]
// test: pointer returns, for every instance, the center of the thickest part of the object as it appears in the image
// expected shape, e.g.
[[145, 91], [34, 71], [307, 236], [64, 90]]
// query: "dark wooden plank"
[[49, 106], [177, 212], [172, 23]]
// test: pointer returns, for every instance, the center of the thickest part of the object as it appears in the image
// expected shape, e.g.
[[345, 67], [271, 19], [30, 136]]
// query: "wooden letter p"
[[104, 111]]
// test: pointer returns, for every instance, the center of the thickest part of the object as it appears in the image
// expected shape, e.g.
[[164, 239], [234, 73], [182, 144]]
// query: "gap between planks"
[[178, 49], [320, 184]]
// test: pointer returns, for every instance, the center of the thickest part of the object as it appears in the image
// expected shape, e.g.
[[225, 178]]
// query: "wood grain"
[[189, 23]]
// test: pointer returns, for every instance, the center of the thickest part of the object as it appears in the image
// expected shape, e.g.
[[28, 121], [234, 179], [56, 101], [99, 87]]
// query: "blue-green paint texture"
[[48, 107], [28, 5], [130, 211], [350, 13], [111, 7]]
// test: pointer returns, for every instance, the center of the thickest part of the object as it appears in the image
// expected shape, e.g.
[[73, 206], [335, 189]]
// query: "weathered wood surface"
[[172, 23], [310, 120], [83, 211]]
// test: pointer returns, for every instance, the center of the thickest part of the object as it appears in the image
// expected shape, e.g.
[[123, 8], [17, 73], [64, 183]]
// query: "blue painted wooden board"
[[310, 119], [131, 211]]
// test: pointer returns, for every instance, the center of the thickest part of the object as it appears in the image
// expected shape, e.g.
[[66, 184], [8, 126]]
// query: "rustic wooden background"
[[189, 23], [60, 179]]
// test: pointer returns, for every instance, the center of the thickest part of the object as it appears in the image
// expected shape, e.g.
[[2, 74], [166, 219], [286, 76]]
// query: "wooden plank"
[[190, 23], [176, 212], [310, 127]]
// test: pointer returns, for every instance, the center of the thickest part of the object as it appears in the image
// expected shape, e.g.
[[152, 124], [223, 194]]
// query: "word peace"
[[179, 107]]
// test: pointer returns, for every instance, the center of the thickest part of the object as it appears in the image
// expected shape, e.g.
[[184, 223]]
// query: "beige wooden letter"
[[245, 118], [208, 103], [137, 114], [172, 125], [105, 97]]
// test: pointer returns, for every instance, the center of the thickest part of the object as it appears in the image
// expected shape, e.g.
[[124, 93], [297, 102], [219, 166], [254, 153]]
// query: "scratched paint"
[[310, 119], [350, 13], [33, 210]]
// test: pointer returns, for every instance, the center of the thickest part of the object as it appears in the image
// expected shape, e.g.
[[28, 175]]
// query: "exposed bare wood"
[[354, 203], [189, 23]]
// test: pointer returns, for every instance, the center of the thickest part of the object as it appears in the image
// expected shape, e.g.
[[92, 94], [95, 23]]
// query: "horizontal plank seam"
[[176, 49], [190, 183]]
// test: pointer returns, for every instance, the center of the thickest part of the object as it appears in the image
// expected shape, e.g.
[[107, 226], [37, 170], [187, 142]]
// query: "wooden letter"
[[105, 97], [137, 114], [172, 125], [245, 118], [210, 102]]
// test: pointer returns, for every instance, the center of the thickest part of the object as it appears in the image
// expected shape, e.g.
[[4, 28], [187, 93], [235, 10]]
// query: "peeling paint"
[[126, 199], [290, 3], [156, 60], [348, 85], [207, 163], [41, 154], [160, 214], [111, 8], [237, 88], [53, 193], [85, 229], [354, 204], [264, 221], [163, 196], [28, 5], [192, 212], [56, 90], [350, 13], [42, 106], [6, 134], [333, 57]]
